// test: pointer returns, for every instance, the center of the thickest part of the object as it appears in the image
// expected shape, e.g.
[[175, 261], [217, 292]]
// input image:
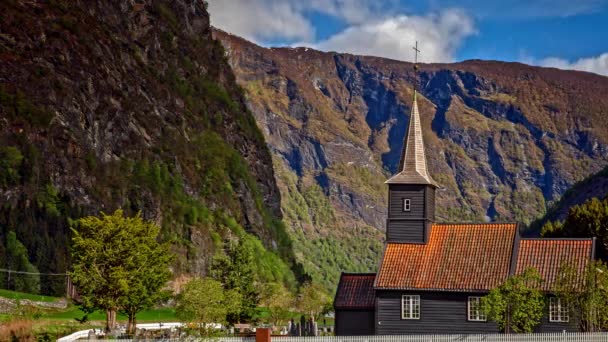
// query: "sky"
[[566, 34]]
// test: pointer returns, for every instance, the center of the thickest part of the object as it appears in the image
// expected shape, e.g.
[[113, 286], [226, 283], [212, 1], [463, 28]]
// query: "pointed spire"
[[412, 166]]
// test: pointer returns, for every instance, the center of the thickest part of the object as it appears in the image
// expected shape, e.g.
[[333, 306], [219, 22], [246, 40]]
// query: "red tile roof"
[[457, 257], [355, 291], [547, 256]]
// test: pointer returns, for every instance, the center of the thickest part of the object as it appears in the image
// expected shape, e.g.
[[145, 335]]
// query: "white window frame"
[[410, 307], [558, 310], [478, 315], [407, 204]]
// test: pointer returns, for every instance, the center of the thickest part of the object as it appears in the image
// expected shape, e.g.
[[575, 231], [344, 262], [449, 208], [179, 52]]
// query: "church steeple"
[[412, 166], [411, 199]]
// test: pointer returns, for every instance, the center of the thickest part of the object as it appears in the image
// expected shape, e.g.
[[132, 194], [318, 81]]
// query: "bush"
[[16, 331]]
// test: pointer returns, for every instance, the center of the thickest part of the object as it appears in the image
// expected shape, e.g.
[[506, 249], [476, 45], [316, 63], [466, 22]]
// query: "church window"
[[475, 310], [558, 310], [406, 204], [410, 307]]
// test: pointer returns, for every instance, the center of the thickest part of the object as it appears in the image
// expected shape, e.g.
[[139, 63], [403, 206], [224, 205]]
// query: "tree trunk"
[[132, 325], [110, 319]]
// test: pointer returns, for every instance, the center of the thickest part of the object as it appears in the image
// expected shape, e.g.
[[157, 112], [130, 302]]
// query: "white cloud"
[[598, 64], [439, 37], [373, 28], [261, 20]]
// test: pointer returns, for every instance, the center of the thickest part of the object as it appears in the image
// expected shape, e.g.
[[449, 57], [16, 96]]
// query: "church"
[[433, 275]]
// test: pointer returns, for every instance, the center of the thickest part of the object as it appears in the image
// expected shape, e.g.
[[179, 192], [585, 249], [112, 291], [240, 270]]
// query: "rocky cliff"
[[504, 140], [132, 104], [595, 185]]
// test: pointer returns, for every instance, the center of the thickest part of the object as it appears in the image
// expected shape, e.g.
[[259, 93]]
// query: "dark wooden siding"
[[407, 226], [440, 313], [430, 203], [443, 313], [354, 322], [405, 230], [553, 327], [397, 193]]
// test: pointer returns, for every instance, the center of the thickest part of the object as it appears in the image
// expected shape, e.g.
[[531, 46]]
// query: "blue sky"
[[559, 33]]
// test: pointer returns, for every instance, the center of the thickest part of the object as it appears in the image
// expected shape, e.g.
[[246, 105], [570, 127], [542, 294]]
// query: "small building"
[[432, 275], [354, 304]]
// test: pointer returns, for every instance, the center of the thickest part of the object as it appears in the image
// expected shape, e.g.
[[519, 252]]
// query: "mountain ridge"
[[504, 139]]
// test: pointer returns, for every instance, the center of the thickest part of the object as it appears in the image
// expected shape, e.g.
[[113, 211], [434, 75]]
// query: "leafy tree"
[[278, 300], [148, 274], [313, 299], [17, 259], [118, 265], [518, 304], [589, 219], [204, 301], [586, 294], [235, 270]]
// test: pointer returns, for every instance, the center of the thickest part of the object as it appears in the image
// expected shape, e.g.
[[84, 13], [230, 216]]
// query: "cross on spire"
[[417, 51]]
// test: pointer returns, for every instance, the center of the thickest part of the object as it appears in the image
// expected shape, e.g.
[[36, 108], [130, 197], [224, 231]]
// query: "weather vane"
[[416, 65]]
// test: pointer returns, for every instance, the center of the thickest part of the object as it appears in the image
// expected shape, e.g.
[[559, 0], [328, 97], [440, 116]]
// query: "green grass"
[[20, 295], [153, 315]]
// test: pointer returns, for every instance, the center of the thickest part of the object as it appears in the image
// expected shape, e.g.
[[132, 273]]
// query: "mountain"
[[504, 140], [595, 185], [130, 104]]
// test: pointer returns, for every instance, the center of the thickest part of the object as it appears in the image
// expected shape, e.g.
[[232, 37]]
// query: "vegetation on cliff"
[[138, 111], [504, 140]]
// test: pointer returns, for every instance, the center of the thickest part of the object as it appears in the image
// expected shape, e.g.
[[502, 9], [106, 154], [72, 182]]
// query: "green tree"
[[518, 304], [235, 270], [313, 299], [17, 260], [118, 265], [589, 219], [586, 294], [148, 274], [278, 300], [204, 301]]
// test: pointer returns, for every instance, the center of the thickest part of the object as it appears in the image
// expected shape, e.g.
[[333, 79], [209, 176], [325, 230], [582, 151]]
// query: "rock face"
[[132, 104], [503, 140], [595, 185]]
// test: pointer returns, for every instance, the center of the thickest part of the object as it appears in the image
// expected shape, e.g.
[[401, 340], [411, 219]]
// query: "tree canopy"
[[234, 269], [204, 301], [518, 304], [313, 299], [589, 219], [278, 300], [118, 265], [17, 260], [586, 294]]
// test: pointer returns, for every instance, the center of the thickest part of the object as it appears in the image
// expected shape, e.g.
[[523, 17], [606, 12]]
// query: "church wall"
[[443, 313], [354, 322], [396, 195], [405, 230], [406, 226], [440, 313], [430, 203]]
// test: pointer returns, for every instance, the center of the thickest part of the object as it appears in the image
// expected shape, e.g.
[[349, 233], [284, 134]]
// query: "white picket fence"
[[557, 337], [560, 337]]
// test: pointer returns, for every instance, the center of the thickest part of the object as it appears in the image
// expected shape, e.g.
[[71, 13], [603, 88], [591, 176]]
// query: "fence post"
[[262, 335]]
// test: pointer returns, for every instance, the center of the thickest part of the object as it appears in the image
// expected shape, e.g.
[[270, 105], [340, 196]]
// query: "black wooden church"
[[433, 275]]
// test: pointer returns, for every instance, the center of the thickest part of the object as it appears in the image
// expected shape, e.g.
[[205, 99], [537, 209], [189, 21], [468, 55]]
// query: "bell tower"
[[411, 199]]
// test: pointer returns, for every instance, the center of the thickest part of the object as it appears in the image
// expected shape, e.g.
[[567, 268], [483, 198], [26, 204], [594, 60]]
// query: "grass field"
[[20, 295], [73, 312]]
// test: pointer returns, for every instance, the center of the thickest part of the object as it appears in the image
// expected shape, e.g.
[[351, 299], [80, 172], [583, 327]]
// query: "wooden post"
[[262, 335]]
